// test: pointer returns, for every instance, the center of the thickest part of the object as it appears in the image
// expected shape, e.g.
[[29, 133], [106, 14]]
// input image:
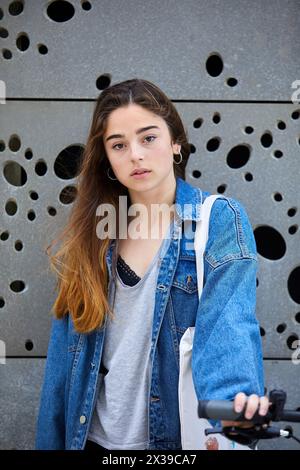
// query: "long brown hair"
[[80, 263]]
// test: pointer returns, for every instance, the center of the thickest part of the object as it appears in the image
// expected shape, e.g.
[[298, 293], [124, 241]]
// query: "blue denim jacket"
[[227, 349]]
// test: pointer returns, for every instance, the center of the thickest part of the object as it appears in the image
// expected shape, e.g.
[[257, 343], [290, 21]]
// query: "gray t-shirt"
[[120, 418]]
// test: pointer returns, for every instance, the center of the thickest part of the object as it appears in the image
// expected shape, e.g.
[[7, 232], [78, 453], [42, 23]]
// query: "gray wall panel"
[[20, 385], [167, 42], [49, 127]]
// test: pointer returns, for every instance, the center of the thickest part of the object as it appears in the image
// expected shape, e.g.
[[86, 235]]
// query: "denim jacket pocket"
[[183, 302], [185, 277]]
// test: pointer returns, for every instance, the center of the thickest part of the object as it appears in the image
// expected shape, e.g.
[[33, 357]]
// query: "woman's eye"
[[114, 146], [148, 137]]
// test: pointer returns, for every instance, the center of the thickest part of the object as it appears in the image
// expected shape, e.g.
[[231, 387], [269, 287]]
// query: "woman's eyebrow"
[[139, 131]]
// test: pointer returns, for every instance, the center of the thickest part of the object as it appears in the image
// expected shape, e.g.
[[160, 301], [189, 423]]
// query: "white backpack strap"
[[201, 236]]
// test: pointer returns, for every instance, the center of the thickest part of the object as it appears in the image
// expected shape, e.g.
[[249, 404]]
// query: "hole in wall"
[[293, 284], [33, 195], [249, 129], [15, 8], [196, 174], [3, 33], [292, 211], [11, 207], [51, 211], [266, 139], [216, 118], [68, 195], [31, 215], [293, 229], [198, 123], [213, 144], [295, 114], [2, 145], [262, 331], [192, 148], [281, 328], [86, 5], [28, 154], [222, 188], [103, 81], [293, 341], [214, 65], [60, 11], [28, 345], [238, 156], [270, 243], [22, 42], [41, 168], [4, 235], [248, 177], [14, 143], [42, 48], [6, 53], [277, 153], [2, 302], [281, 125], [18, 245], [231, 81], [14, 174], [17, 286], [67, 163], [277, 197]]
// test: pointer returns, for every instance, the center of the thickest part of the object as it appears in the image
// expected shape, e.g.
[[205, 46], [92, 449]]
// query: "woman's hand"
[[253, 403]]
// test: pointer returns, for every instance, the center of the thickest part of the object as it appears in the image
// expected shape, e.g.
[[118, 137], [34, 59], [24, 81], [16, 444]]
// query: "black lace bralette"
[[128, 276]]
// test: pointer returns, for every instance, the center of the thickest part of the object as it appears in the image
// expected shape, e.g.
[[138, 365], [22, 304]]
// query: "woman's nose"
[[136, 153]]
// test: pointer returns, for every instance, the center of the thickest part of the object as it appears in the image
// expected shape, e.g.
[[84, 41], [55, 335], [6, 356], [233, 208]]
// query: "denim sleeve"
[[50, 426], [227, 350]]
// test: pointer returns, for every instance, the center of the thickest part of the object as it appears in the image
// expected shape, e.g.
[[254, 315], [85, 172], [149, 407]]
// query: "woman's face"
[[136, 148]]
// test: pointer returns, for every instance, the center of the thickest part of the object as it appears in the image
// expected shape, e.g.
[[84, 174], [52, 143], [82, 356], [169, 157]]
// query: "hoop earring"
[[107, 172], [177, 163]]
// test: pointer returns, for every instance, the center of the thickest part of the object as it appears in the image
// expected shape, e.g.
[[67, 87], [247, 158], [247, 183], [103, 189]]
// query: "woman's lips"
[[141, 175]]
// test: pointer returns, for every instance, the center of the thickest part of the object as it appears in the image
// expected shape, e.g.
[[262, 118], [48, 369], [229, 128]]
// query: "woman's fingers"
[[252, 405], [264, 405], [239, 401], [254, 402]]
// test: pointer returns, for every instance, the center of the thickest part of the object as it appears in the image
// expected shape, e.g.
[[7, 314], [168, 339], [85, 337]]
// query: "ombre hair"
[[80, 262]]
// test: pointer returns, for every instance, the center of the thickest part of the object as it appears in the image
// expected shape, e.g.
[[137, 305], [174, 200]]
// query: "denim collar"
[[188, 201]]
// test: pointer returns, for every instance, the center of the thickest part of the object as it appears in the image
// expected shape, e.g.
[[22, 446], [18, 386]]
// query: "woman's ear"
[[176, 148]]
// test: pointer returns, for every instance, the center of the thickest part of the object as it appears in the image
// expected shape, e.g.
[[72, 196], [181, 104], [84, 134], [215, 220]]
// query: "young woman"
[[126, 295]]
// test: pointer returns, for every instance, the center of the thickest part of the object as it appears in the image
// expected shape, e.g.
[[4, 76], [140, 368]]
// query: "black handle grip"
[[224, 410]]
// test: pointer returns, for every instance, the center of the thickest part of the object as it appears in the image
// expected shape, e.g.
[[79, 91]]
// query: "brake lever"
[[246, 436]]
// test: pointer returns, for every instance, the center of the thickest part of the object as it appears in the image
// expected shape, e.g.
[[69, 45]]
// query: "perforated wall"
[[229, 69]]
